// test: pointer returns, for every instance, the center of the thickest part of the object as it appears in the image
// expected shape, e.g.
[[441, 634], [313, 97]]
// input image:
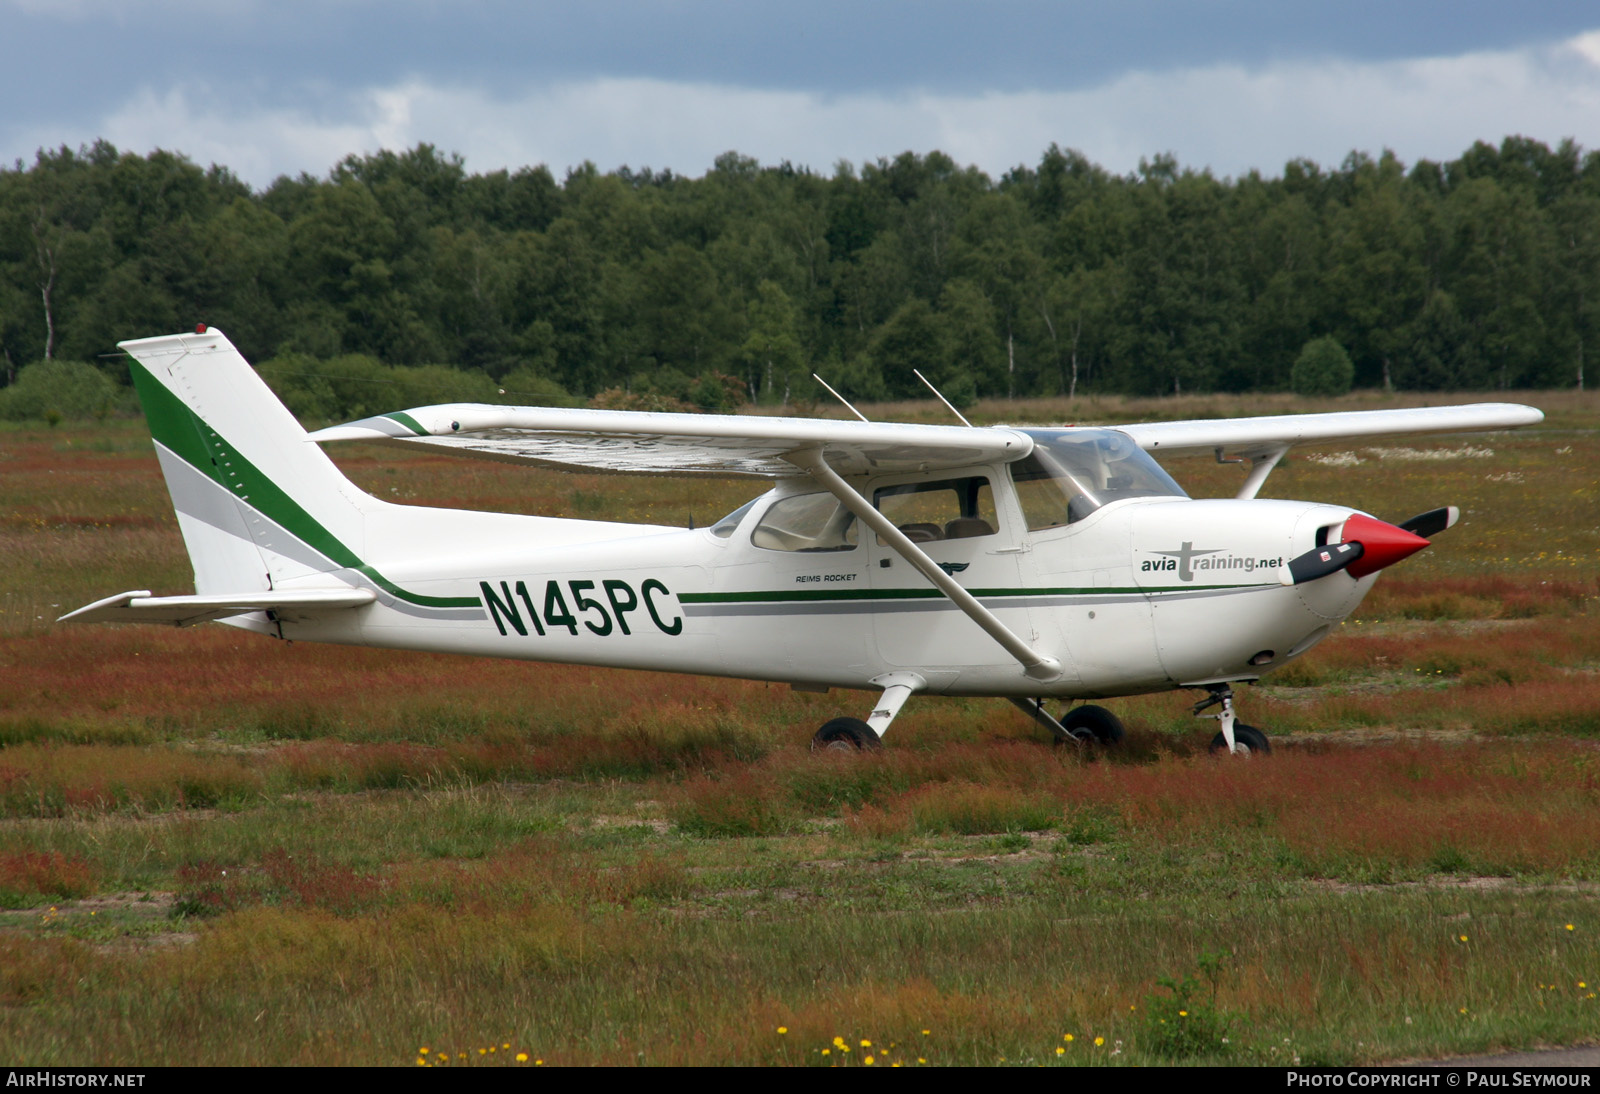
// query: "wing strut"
[[1037, 666], [1261, 464]]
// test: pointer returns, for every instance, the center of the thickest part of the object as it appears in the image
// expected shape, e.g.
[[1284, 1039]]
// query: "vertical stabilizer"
[[258, 503]]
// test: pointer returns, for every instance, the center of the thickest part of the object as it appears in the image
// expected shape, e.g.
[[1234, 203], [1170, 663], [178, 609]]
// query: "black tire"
[[1251, 741], [845, 735], [1094, 723]]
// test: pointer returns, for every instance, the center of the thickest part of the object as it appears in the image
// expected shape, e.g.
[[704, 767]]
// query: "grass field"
[[216, 848]]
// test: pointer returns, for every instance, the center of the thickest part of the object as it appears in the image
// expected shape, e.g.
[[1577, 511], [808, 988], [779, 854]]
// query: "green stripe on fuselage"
[[814, 595], [408, 421], [185, 433]]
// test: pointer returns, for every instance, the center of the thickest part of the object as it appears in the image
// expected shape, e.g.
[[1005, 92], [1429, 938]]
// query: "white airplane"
[[1029, 564]]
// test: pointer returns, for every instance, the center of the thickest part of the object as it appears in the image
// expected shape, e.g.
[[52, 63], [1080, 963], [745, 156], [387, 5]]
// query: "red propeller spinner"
[[1382, 544]]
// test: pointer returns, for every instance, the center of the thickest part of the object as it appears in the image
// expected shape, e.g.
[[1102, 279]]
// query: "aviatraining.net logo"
[[1188, 560]]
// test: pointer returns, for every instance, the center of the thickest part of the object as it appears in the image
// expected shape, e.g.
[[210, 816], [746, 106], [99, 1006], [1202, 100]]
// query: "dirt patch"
[[1459, 883], [110, 922], [656, 824]]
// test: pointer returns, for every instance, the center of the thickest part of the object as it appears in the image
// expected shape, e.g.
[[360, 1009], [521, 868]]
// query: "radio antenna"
[[841, 398], [942, 399]]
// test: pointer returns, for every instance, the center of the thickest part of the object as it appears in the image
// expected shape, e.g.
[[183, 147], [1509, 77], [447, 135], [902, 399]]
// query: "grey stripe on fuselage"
[[900, 605], [202, 498]]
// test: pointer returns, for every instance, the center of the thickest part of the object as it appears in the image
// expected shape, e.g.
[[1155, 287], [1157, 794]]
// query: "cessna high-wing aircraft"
[[1030, 564]]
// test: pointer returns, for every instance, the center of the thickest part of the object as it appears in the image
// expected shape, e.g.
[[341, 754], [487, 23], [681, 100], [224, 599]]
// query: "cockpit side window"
[[806, 522], [728, 524], [1044, 503]]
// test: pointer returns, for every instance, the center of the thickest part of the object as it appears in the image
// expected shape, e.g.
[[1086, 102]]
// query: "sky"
[[268, 89]]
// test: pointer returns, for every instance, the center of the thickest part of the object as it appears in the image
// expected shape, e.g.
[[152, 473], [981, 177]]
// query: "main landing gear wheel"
[[1092, 723], [848, 735], [1251, 742]]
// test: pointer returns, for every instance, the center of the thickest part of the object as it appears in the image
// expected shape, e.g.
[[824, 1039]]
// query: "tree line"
[[639, 287]]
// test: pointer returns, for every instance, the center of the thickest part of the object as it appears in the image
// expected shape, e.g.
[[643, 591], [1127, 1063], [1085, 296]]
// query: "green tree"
[[56, 389], [1439, 350], [1575, 286], [1498, 262], [913, 338], [972, 347], [1322, 369], [1377, 278], [771, 354]]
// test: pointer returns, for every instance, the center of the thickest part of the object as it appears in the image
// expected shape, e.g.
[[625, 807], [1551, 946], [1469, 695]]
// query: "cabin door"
[[953, 519]]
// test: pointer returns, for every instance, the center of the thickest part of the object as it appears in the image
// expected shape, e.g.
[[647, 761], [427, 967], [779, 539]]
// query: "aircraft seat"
[[968, 528]]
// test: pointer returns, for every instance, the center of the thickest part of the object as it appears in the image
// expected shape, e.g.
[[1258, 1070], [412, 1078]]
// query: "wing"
[[1252, 436], [723, 445]]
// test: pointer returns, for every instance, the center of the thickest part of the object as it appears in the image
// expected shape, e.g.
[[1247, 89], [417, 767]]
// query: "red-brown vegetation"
[[28, 875], [418, 849]]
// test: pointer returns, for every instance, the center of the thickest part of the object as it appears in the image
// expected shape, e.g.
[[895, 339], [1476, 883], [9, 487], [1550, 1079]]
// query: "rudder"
[[258, 503]]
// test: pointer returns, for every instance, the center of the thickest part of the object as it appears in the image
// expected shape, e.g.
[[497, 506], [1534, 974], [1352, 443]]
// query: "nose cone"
[[1382, 544]]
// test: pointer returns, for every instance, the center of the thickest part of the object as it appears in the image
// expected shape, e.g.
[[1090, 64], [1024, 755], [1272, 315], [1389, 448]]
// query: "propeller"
[[1432, 522], [1368, 546], [1320, 563]]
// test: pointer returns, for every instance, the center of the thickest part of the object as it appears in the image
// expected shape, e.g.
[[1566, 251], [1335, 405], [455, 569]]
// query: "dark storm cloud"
[[72, 61]]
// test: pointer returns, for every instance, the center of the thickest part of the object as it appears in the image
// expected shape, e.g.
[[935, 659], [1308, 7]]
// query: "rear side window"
[[947, 509]]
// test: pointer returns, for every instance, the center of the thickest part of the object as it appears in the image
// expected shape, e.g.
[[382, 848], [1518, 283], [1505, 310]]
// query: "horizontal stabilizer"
[[182, 611]]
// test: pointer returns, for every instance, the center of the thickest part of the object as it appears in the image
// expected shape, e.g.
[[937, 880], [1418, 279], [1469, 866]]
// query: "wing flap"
[[722, 445], [182, 611], [1247, 436]]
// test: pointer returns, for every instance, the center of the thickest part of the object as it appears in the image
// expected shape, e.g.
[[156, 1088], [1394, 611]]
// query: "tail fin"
[[258, 503]]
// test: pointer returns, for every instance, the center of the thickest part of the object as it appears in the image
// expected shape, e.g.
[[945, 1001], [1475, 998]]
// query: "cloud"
[[1229, 118]]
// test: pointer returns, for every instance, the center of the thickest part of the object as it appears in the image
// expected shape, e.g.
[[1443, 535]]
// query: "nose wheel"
[[1247, 741], [1236, 738]]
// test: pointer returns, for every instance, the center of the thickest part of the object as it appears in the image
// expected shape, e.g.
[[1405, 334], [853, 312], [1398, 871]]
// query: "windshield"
[[1073, 472], [725, 527]]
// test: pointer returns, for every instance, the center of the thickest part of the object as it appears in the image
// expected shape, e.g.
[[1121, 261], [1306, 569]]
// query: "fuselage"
[[1142, 594]]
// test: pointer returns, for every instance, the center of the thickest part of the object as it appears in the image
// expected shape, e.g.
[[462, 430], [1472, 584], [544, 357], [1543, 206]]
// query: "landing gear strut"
[[1085, 724], [1236, 738], [854, 735]]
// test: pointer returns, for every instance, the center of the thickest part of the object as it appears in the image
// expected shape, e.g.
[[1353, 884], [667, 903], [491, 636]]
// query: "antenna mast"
[[942, 399], [841, 398]]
